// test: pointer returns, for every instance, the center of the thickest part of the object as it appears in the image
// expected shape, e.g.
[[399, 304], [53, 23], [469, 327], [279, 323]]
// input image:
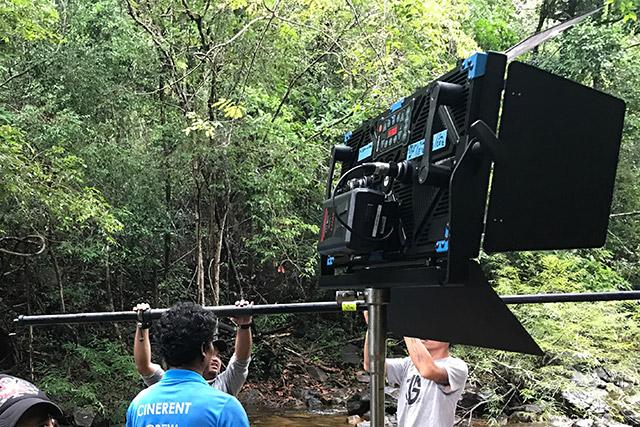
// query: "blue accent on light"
[[439, 140], [442, 246], [365, 151], [475, 65], [415, 150], [396, 105], [347, 136], [330, 260], [446, 232]]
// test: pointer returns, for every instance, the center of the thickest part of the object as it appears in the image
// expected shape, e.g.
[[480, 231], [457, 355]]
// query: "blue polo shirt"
[[183, 398]]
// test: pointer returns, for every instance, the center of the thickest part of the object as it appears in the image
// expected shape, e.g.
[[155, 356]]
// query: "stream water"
[[297, 419], [263, 418]]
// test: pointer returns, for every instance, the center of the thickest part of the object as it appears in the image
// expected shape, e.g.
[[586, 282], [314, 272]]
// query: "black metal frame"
[[453, 103]]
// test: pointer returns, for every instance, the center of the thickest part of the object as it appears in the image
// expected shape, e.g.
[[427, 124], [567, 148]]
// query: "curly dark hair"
[[183, 330]]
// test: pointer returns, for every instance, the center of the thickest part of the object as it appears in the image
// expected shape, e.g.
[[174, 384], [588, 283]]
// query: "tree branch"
[[22, 73], [629, 251], [622, 214], [231, 40], [257, 47], [26, 239], [364, 34], [197, 19], [294, 81], [156, 38]]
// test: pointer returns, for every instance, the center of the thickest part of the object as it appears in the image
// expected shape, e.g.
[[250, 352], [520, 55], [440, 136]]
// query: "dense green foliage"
[[575, 337], [176, 150]]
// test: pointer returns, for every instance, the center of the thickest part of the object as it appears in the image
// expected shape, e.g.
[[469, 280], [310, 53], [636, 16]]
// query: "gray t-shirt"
[[423, 402], [229, 381]]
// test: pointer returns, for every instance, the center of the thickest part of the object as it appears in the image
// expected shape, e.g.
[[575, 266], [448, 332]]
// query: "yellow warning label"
[[349, 306]]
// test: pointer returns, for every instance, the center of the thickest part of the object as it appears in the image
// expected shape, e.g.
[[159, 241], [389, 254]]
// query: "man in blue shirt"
[[183, 398]]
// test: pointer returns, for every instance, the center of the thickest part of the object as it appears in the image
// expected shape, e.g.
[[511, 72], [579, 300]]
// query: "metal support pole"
[[377, 299]]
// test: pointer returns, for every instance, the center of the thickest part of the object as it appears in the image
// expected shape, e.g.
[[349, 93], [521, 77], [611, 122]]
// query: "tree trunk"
[[199, 254], [544, 14], [56, 268], [572, 7], [119, 284], [154, 283], [232, 264], [166, 152], [214, 269], [107, 279], [597, 76], [29, 312]]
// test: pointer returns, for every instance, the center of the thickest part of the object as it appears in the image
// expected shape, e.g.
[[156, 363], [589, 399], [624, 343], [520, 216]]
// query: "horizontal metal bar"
[[220, 311], [307, 307], [571, 297]]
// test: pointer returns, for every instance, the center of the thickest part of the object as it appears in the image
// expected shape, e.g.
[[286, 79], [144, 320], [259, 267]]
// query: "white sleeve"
[[457, 372], [395, 369], [153, 378], [232, 379]]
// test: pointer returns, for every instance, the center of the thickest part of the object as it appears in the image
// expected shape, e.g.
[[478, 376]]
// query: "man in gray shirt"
[[229, 380], [431, 382]]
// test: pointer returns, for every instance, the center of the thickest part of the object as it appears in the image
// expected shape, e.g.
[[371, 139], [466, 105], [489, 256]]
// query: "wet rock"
[[623, 384], [391, 393], [350, 354], [560, 421], [474, 399], [358, 404], [326, 400], [363, 377], [83, 417], [582, 422], [586, 401], [317, 373], [299, 393], [251, 397], [604, 374], [502, 420], [340, 394], [389, 421], [587, 380], [581, 356], [522, 417], [311, 399], [608, 422], [634, 401], [613, 378], [532, 409], [631, 417], [313, 403]]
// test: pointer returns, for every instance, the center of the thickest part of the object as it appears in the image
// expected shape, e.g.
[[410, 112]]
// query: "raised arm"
[[244, 338], [142, 345], [424, 363]]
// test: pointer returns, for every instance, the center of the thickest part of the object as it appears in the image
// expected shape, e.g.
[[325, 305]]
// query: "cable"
[[337, 215]]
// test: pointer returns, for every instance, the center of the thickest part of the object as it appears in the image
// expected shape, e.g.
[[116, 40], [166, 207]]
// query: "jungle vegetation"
[[174, 150]]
